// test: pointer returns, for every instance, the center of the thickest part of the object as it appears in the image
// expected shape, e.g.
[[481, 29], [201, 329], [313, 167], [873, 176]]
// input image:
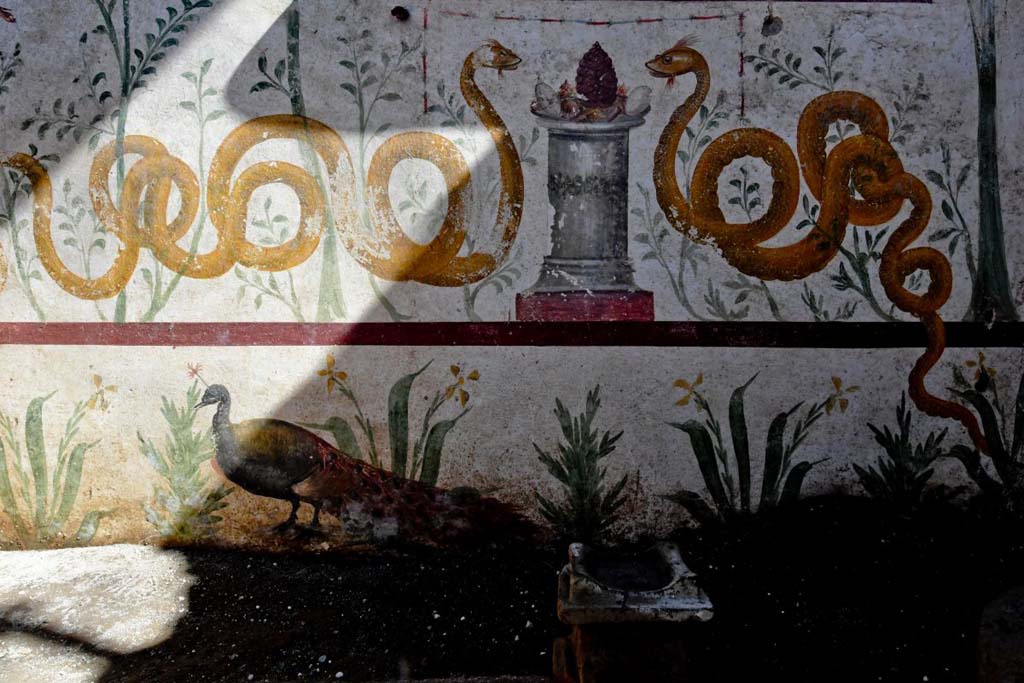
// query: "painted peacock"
[[278, 459]]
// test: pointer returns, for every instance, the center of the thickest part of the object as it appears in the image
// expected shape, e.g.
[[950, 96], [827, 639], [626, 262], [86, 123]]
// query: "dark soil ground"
[[831, 589], [846, 589], [390, 614]]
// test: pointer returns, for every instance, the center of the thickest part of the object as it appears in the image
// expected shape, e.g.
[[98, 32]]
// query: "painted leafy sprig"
[[955, 230], [901, 475], [9, 63], [272, 230], [185, 507], [786, 69], [588, 508], [656, 237]]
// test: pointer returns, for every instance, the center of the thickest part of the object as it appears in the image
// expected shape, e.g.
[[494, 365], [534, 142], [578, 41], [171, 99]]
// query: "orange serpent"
[[388, 253], [866, 160]]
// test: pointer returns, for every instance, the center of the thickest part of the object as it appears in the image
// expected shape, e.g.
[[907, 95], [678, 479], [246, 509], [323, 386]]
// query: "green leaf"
[[990, 425], [89, 526], [435, 445], [398, 420], [794, 482], [7, 491], [72, 479], [740, 443], [773, 457], [121, 307], [36, 448], [694, 504], [704, 451]]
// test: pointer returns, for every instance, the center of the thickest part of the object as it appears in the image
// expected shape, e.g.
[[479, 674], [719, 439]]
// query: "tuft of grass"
[[185, 508], [588, 508], [901, 475]]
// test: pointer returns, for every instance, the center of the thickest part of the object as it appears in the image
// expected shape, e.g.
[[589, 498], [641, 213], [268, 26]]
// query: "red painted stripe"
[[708, 334]]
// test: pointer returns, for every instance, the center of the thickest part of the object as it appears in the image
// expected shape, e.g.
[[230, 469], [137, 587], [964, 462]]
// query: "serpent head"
[[494, 55], [678, 60]]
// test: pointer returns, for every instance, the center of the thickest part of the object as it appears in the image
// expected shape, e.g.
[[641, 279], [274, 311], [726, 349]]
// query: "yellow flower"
[[980, 367], [99, 397], [689, 388], [457, 388], [837, 397], [333, 376]]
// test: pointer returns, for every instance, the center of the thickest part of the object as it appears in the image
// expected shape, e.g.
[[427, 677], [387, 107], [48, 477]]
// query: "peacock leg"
[[290, 522], [315, 523]]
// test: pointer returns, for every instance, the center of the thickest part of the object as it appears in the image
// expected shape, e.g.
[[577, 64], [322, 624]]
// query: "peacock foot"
[[285, 526]]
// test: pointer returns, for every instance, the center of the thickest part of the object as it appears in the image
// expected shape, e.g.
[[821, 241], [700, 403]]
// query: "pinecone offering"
[[595, 78]]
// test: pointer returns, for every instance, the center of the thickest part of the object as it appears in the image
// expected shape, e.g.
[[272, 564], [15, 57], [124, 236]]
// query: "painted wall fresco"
[[194, 161]]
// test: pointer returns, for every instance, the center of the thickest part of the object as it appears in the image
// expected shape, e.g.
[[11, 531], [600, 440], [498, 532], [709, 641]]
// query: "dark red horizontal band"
[[711, 334]]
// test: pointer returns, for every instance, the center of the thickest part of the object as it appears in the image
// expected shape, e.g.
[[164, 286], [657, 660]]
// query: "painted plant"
[[590, 502], [901, 475], [40, 486], [727, 473], [1001, 408], [133, 66], [185, 507], [423, 461]]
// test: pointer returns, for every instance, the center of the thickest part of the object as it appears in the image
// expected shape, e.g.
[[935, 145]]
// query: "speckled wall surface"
[[308, 202]]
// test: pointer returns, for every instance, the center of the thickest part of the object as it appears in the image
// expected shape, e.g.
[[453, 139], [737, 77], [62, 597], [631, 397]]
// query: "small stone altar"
[[631, 616], [588, 275]]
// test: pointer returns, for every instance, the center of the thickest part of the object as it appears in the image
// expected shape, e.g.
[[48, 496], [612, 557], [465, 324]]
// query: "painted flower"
[[689, 388], [982, 373], [980, 367], [334, 377], [839, 396], [99, 396], [457, 389]]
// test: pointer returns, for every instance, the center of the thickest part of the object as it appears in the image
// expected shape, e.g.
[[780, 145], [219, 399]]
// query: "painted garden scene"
[[522, 341]]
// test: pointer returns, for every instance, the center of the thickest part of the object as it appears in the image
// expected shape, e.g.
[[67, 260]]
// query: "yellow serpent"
[[388, 253], [866, 160]]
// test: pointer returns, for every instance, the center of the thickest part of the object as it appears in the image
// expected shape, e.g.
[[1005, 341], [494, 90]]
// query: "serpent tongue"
[[671, 81]]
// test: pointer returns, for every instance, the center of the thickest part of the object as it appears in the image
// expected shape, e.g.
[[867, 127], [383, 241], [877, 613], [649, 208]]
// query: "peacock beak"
[[207, 401]]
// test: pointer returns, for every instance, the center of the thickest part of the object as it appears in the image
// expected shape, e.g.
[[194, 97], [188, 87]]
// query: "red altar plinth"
[[581, 305]]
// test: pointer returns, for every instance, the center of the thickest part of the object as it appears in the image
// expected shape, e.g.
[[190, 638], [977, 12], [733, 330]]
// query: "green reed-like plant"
[[38, 492], [727, 475], [423, 461], [1004, 431], [588, 509], [901, 475], [185, 508]]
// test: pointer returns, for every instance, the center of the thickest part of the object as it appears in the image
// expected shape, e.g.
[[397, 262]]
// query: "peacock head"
[[215, 393], [494, 55], [678, 60]]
